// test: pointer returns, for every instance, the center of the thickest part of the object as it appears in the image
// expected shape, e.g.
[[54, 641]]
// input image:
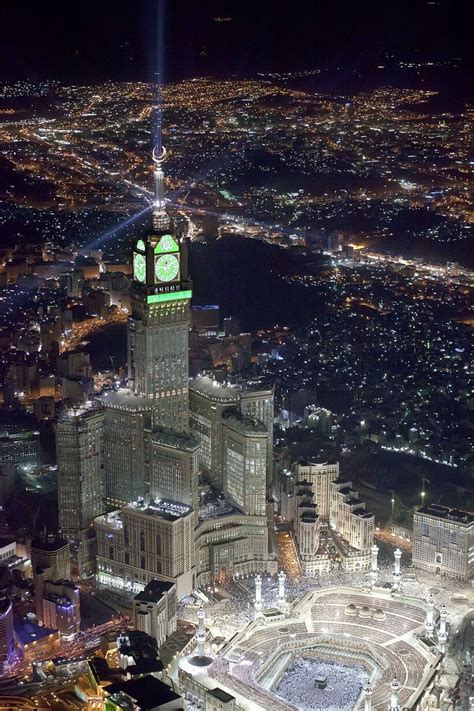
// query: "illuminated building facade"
[[154, 610], [349, 518], [158, 329], [245, 444], [7, 639], [174, 468], [208, 400], [325, 505], [142, 542], [50, 560], [80, 457], [257, 401], [234, 544], [61, 607], [320, 475], [127, 420], [443, 541]]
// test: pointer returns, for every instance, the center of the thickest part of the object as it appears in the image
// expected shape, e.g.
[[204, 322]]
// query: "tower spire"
[[161, 220]]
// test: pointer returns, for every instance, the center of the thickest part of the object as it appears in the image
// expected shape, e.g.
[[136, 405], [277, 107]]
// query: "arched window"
[[158, 544], [142, 540]]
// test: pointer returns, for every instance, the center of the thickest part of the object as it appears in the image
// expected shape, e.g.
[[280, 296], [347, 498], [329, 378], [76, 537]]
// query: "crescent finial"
[[158, 160]]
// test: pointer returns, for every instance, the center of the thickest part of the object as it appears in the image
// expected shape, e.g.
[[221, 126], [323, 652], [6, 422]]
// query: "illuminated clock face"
[[139, 267], [166, 267]]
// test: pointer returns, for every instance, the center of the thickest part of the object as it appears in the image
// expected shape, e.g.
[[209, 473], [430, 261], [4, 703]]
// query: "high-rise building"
[[50, 560], [174, 468], [61, 607], [19, 446], [307, 521], [127, 423], [80, 457], [208, 400], [320, 475], [245, 443], [325, 506], [348, 516], [158, 328], [443, 541], [257, 401], [7, 639], [232, 544], [142, 542]]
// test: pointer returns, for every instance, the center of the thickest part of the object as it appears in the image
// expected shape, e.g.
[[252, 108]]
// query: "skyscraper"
[[208, 400], [257, 401], [158, 328], [245, 462], [7, 640], [80, 457], [443, 541], [49, 561], [174, 466], [127, 420]]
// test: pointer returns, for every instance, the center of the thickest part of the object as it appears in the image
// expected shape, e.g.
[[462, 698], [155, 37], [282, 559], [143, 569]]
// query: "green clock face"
[[139, 267], [166, 267]]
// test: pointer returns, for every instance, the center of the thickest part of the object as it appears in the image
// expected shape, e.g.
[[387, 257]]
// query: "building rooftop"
[[173, 438], [27, 632], [258, 385], [154, 591], [362, 513], [168, 510], [88, 408], [49, 543], [316, 463], [220, 694], [456, 515], [243, 423], [214, 390], [124, 399], [148, 692]]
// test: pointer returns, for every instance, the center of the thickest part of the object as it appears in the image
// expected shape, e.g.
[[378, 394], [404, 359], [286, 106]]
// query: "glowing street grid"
[[298, 684]]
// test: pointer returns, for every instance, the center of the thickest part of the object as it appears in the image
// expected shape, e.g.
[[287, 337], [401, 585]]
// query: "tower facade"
[[127, 420], [80, 457], [245, 443], [174, 469], [158, 328]]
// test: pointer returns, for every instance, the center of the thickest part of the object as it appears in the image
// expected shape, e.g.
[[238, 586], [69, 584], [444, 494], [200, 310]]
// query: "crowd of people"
[[344, 684]]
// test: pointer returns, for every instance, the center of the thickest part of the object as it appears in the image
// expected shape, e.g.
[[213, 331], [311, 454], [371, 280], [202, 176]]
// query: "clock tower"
[[158, 328]]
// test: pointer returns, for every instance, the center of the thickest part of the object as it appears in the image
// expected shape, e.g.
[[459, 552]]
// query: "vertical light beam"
[[160, 61]]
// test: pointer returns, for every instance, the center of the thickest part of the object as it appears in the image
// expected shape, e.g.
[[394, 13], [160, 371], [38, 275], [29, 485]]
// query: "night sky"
[[92, 41]]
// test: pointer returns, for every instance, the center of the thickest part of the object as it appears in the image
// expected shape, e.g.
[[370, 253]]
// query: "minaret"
[[201, 633], [368, 691], [258, 596], [281, 587], [158, 328], [374, 568], [394, 689], [429, 620], [396, 570], [443, 631]]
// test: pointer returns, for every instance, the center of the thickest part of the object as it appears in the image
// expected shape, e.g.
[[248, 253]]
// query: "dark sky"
[[87, 40]]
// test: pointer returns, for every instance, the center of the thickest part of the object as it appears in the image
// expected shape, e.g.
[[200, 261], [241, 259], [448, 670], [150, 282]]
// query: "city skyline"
[[236, 448]]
